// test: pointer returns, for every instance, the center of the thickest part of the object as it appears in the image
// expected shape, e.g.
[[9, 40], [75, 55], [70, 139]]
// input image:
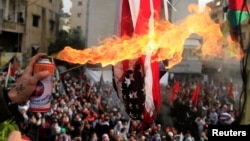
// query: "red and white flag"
[[137, 80]]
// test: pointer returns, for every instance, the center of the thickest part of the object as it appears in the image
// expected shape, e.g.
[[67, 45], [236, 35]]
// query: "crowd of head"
[[83, 110]]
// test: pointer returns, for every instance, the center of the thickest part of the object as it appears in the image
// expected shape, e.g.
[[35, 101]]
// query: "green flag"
[[237, 12]]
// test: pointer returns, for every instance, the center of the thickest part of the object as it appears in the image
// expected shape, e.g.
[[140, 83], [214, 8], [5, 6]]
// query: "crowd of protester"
[[83, 110]]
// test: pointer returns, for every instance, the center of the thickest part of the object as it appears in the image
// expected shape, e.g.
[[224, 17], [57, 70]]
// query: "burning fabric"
[[143, 43]]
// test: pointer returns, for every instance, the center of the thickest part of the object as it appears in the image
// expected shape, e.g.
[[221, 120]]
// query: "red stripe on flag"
[[237, 5], [123, 71], [142, 27], [127, 28], [155, 66]]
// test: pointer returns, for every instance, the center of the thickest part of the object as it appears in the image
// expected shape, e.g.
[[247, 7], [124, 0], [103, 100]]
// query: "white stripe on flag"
[[134, 9], [149, 102]]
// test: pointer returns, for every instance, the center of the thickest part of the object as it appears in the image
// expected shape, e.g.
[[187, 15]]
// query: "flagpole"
[[71, 69], [7, 76]]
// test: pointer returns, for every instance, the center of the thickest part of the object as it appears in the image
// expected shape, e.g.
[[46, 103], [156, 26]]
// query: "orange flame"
[[167, 41]]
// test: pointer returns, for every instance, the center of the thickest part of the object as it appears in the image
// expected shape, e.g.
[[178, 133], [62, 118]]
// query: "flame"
[[166, 40]]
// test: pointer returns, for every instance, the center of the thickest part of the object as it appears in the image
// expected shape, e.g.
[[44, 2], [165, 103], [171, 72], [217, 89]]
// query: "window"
[[79, 3], [79, 27], [36, 20], [51, 23], [79, 15]]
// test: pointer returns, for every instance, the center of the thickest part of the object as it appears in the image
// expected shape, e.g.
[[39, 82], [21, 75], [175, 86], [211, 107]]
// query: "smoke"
[[165, 117]]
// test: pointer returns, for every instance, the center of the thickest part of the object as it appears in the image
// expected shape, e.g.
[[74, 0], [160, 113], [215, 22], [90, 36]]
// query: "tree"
[[74, 38]]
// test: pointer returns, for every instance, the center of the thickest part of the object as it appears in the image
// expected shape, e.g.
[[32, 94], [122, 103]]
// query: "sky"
[[67, 4], [202, 3]]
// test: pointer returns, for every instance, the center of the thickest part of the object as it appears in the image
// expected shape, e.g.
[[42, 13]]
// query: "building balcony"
[[10, 26]]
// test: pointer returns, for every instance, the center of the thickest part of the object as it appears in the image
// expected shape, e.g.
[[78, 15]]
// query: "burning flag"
[[144, 41], [137, 80], [165, 43]]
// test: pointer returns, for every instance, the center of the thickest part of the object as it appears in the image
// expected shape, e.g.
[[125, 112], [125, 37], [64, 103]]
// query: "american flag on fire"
[[137, 80]]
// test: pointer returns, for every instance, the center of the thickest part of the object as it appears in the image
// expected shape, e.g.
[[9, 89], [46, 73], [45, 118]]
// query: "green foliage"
[[6, 127], [61, 4], [74, 38]]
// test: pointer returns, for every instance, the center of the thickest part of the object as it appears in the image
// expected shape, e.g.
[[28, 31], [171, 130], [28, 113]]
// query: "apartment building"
[[97, 19], [79, 14], [28, 25]]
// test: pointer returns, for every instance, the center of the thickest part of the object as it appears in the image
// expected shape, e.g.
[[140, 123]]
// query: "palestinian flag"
[[237, 12]]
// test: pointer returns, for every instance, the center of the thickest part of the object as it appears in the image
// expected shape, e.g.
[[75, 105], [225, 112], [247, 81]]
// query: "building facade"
[[29, 25], [78, 14], [95, 18]]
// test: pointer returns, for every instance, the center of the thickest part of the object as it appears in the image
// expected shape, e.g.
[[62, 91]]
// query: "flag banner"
[[237, 12], [195, 96], [137, 80], [6, 57], [164, 79], [176, 88]]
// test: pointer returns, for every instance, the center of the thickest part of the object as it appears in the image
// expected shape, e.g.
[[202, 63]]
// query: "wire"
[[243, 67]]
